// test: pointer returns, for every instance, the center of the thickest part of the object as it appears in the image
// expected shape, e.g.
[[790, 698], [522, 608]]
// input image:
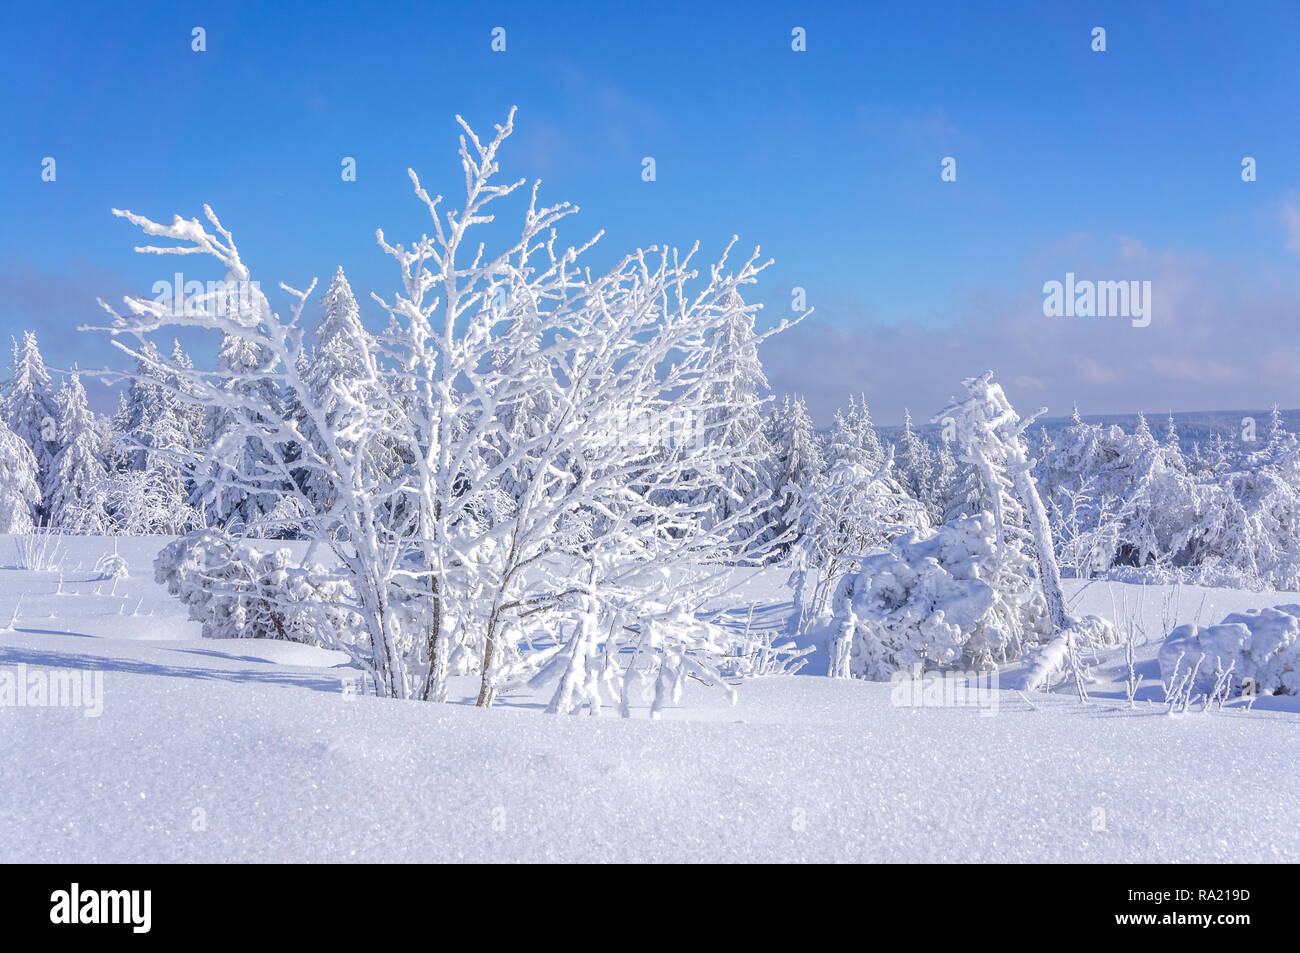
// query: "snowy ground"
[[254, 751]]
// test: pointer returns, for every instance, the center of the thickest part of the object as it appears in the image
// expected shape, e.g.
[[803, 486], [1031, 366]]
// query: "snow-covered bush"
[[1259, 646], [528, 443], [853, 510], [650, 659], [111, 566], [237, 592], [928, 600]]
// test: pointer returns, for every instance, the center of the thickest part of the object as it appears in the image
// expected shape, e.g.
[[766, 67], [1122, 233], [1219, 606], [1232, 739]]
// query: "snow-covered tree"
[[946, 485], [1280, 442], [241, 484], [989, 435], [78, 477], [337, 375], [139, 409], [1171, 433], [736, 418], [28, 407], [853, 439], [916, 465], [797, 464], [156, 435], [625, 358], [19, 492]]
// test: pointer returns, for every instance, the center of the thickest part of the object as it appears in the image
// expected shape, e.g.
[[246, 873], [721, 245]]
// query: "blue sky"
[[1117, 165]]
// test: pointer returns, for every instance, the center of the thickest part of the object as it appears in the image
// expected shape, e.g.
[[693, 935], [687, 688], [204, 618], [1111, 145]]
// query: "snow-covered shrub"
[[928, 600], [853, 510], [237, 592], [522, 414], [1068, 654], [1259, 645], [766, 652], [592, 663], [111, 566]]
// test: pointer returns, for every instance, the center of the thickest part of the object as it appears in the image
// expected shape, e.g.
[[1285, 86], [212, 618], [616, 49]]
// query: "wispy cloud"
[[1218, 340]]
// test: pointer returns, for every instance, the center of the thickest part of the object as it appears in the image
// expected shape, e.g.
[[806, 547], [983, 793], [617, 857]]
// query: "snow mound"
[[1260, 645]]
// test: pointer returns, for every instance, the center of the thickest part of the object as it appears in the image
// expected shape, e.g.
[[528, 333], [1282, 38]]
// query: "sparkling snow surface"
[[251, 750]]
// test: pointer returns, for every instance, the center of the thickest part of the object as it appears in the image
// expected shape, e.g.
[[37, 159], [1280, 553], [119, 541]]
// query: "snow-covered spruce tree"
[[1280, 441], [78, 480], [19, 492], [156, 434], [29, 410], [625, 358], [139, 409], [240, 484], [915, 465], [947, 481], [736, 419], [853, 438], [797, 465], [180, 429], [987, 438], [337, 375], [1158, 501], [1171, 434]]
